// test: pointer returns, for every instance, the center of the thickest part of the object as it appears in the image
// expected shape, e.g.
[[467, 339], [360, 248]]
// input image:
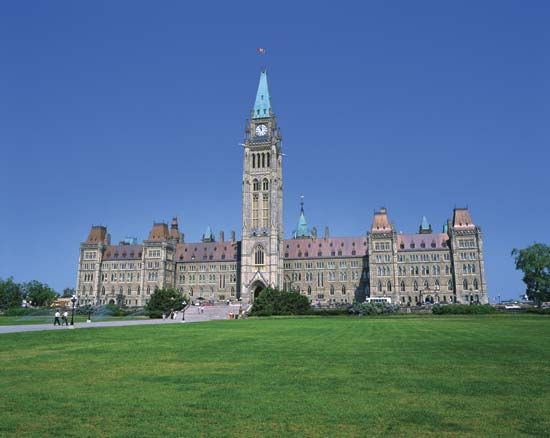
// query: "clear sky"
[[122, 113]]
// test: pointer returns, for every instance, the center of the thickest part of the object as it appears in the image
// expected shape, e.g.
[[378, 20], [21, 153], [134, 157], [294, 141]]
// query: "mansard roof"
[[419, 242], [98, 234], [159, 232], [381, 222], [207, 252], [324, 248], [462, 219], [122, 252]]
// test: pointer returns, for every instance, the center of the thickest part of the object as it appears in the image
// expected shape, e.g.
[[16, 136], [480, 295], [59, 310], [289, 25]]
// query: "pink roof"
[[207, 252], [422, 241], [122, 252], [321, 248]]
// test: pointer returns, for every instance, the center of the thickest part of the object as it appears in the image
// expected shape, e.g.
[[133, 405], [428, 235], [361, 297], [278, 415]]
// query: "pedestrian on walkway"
[[56, 320], [65, 318]]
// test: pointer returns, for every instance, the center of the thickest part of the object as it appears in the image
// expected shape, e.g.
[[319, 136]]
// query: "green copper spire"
[[302, 230], [262, 105], [425, 227], [208, 236]]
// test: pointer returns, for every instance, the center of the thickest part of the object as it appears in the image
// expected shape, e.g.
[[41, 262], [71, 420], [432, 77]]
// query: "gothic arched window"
[[465, 284], [259, 256], [343, 289], [379, 286], [265, 184], [332, 289], [389, 286], [476, 284], [415, 286], [450, 285], [255, 185], [402, 286], [426, 284]]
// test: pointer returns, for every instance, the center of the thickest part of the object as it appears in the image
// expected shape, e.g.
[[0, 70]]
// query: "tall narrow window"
[[465, 284], [255, 207], [255, 185], [415, 286], [402, 286], [265, 184], [379, 286], [450, 285], [253, 161], [389, 286], [263, 160], [476, 284], [268, 156], [265, 210], [259, 256]]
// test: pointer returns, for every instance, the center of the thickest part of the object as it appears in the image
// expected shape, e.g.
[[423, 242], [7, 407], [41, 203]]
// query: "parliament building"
[[408, 269]]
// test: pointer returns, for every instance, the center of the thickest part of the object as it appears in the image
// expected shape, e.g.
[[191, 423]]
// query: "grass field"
[[396, 376]]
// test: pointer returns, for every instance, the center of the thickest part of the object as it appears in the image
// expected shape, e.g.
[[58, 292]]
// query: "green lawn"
[[398, 376], [44, 319]]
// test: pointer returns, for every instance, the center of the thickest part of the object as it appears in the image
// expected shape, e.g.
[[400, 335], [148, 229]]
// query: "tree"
[[40, 294], [534, 261], [11, 294], [68, 292], [164, 301]]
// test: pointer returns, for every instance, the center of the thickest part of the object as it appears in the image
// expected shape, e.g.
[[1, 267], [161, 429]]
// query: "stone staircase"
[[211, 313]]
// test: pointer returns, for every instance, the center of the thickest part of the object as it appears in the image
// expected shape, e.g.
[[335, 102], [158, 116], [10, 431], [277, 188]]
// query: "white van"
[[378, 300]]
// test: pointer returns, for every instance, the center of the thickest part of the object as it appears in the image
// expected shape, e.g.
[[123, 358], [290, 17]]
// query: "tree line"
[[34, 292]]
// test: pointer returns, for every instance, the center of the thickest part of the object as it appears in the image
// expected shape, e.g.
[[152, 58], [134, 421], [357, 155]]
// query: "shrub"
[[463, 309], [363, 309], [28, 311], [539, 310], [276, 302]]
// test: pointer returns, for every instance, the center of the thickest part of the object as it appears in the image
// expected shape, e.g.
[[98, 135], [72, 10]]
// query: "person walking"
[[56, 320], [65, 318]]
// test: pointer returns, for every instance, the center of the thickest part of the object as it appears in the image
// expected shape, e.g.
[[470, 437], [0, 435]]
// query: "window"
[[379, 286], [465, 285], [332, 289], [415, 286], [402, 286], [256, 185], [265, 210], [255, 207], [259, 256], [389, 286], [450, 285], [476, 284], [265, 184], [343, 289]]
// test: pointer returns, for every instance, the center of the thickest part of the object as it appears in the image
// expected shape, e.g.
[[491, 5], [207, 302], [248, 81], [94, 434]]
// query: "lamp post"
[[73, 300], [183, 303]]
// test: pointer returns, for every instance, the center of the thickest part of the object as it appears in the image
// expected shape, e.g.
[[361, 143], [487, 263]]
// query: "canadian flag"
[[261, 50]]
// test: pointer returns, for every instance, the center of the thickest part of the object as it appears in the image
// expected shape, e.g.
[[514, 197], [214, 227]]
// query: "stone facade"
[[405, 268]]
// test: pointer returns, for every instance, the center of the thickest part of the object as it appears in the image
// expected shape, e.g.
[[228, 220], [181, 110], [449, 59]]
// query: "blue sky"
[[124, 113]]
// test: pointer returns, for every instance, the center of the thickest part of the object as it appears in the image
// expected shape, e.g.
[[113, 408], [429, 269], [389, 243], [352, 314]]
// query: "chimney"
[[327, 234], [222, 237], [232, 236]]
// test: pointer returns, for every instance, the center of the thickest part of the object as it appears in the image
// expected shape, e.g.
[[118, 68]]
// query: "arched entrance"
[[257, 288]]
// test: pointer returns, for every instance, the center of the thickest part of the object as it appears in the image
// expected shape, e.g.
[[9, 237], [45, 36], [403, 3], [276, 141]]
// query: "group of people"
[[64, 318], [173, 315]]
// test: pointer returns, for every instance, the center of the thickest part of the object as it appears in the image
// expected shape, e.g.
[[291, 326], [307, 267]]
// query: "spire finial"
[[302, 203]]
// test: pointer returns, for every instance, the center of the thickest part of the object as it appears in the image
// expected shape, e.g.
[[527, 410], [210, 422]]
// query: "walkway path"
[[192, 314]]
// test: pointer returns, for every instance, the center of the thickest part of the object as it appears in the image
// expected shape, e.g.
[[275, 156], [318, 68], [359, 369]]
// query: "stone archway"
[[256, 288]]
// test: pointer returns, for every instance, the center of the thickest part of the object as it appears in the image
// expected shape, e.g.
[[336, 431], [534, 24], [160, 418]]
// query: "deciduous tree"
[[11, 294], [534, 261]]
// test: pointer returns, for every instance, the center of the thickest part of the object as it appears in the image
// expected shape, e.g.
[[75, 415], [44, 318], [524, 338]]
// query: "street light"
[[183, 303], [73, 300]]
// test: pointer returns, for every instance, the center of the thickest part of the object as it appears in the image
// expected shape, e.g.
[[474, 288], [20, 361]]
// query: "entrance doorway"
[[257, 289]]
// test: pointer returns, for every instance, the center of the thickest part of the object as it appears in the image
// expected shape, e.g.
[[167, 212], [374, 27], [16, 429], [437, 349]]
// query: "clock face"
[[261, 130]]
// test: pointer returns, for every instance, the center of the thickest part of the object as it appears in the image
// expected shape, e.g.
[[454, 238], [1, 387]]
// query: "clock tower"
[[262, 222]]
